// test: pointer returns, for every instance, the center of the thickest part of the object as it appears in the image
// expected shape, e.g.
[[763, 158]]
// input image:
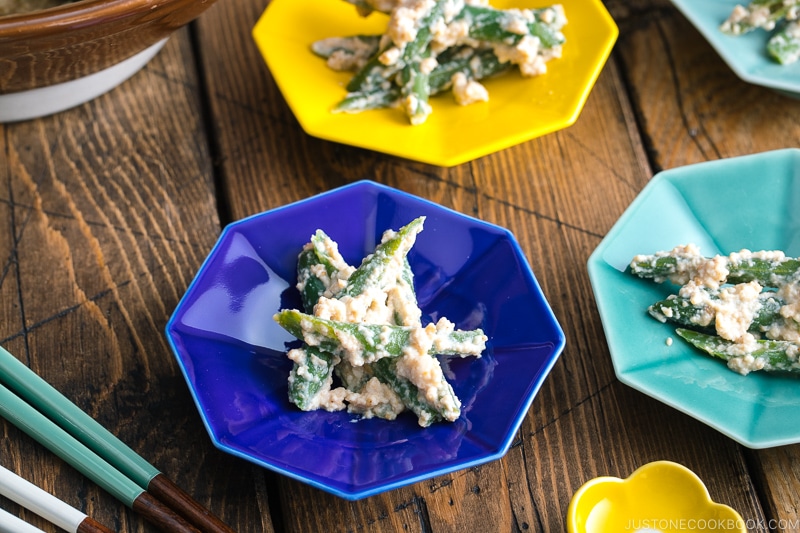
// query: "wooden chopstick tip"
[[161, 516], [177, 499], [89, 525]]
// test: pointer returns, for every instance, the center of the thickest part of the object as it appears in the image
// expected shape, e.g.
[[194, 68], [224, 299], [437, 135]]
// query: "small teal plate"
[[745, 54], [722, 206]]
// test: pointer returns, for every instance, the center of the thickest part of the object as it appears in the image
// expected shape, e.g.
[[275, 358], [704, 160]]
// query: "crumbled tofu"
[[449, 25], [386, 299], [406, 20], [468, 91], [731, 309]]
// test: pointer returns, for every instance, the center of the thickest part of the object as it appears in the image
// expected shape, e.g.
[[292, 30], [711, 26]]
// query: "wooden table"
[[109, 209]]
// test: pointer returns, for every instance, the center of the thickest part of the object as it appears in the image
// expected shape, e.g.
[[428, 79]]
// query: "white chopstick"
[[38, 501], [11, 524]]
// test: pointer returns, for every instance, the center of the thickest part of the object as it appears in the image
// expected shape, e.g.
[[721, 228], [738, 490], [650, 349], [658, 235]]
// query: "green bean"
[[314, 256], [445, 405], [373, 75], [492, 25], [351, 45], [413, 79], [769, 273], [775, 356], [386, 369], [758, 14], [784, 45], [413, 399], [371, 340], [475, 64], [406, 309], [310, 285], [311, 376], [358, 101], [415, 92], [680, 310], [660, 267], [365, 343], [373, 269]]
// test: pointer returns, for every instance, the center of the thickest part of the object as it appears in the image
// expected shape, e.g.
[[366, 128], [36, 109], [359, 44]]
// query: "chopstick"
[[50, 435], [35, 390], [11, 524], [44, 504]]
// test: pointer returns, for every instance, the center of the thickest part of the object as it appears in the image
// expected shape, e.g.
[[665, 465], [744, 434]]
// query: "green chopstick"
[[46, 432], [35, 390], [117, 455]]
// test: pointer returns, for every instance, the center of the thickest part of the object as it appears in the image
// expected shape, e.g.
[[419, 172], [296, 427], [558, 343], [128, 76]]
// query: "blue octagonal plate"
[[722, 206], [233, 355]]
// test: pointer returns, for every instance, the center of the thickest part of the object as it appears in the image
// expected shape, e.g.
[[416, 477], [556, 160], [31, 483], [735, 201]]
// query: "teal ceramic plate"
[[722, 206], [745, 54]]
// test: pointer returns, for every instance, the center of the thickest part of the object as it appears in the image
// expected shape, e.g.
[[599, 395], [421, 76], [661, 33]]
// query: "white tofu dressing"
[[344, 53], [732, 312], [407, 18], [394, 304], [743, 18], [468, 91], [424, 371]]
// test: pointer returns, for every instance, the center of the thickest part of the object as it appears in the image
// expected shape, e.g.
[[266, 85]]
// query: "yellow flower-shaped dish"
[[519, 109], [659, 497]]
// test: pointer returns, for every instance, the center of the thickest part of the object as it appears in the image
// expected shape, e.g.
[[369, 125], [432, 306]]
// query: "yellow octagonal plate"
[[519, 109]]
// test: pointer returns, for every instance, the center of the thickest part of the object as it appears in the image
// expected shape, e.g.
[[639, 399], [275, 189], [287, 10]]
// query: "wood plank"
[[559, 195], [699, 110], [268, 160], [109, 209]]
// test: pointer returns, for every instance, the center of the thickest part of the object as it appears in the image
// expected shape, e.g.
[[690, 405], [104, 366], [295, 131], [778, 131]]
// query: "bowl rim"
[[66, 18]]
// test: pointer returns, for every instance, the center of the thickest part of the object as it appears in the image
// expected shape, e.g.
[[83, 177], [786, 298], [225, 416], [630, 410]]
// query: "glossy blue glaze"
[[233, 357]]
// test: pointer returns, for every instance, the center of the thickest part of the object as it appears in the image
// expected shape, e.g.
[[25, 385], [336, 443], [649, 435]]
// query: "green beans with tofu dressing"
[[362, 326], [779, 18], [399, 68], [743, 307]]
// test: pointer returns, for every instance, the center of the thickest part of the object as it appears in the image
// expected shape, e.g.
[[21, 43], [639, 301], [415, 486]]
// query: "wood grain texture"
[[175, 498], [164, 518], [697, 110], [559, 195], [690, 104], [107, 211]]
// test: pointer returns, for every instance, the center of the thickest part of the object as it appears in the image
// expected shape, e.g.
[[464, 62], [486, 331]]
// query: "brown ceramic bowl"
[[81, 50]]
